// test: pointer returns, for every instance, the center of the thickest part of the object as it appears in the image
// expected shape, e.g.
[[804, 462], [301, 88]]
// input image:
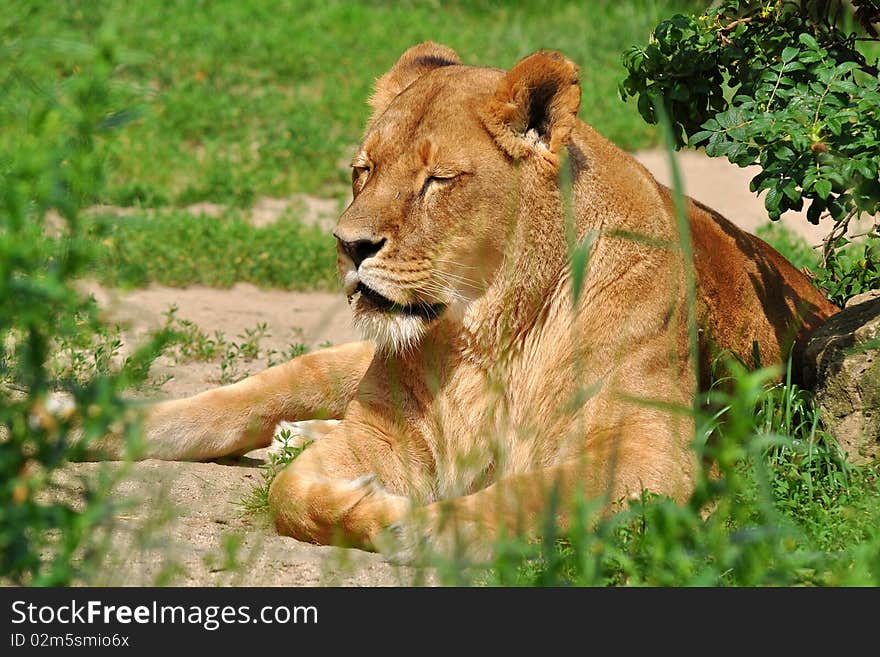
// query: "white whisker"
[[460, 280], [454, 263]]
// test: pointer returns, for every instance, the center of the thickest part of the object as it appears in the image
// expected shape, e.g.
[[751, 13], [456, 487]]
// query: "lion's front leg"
[[243, 416]]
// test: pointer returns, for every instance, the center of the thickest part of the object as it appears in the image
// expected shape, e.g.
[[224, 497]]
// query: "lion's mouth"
[[425, 311]]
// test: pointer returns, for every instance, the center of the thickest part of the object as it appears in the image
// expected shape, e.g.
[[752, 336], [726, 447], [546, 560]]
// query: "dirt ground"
[[184, 519]]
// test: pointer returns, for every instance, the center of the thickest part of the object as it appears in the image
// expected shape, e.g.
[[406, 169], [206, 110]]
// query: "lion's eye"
[[439, 179], [359, 175]]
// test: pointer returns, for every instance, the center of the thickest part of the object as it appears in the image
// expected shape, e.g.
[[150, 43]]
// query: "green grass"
[[179, 249], [228, 101], [793, 247], [798, 251]]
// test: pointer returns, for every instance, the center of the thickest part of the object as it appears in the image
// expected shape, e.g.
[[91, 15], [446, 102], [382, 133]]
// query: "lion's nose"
[[360, 250]]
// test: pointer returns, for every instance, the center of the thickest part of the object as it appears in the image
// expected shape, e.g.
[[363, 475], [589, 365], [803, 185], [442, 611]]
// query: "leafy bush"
[[782, 85], [51, 338], [852, 268]]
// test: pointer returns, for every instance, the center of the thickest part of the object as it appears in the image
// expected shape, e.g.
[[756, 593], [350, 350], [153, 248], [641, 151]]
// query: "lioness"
[[493, 370]]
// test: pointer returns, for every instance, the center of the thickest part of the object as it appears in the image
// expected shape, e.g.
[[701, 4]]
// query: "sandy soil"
[[311, 318], [200, 501]]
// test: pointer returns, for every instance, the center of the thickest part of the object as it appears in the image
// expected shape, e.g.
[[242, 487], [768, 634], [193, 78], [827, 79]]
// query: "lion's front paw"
[[296, 435]]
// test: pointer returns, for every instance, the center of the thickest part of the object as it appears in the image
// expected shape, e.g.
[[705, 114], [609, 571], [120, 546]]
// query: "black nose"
[[360, 250]]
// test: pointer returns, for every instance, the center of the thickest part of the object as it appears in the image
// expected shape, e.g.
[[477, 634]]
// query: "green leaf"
[[867, 170], [633, 58], [845, 86], [697, 137], [717, 145], [679, 92], [822, 188], [757, 182], [791, 191], [789, 53], [845, 67], [784, 153], [808, 41], [772, 201], [646, 108], [833, 175]]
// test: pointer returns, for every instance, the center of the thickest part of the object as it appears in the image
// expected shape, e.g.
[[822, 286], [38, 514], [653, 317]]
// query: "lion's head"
[[436, 182]]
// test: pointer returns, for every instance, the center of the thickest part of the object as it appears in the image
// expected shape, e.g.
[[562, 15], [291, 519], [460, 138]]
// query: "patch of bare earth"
[[309, 318], [183, 524]]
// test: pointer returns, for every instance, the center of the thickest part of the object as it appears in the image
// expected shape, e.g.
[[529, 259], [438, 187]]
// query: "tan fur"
[[516, 388]]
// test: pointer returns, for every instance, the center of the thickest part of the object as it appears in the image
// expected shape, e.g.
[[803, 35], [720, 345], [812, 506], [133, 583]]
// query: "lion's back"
[[751, 300]]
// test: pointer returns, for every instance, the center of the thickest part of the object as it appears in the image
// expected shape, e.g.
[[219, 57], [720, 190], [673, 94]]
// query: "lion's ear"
[[535, 106], [412, 64]]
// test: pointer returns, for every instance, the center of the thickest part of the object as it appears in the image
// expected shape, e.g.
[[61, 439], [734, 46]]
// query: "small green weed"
[[256, 501], [249, 347], [276, 357], [85, 355], [187, 342], [247, 350]]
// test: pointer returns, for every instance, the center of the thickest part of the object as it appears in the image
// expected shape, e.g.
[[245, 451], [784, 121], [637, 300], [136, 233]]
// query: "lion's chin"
[[392, 332], [393, 327]]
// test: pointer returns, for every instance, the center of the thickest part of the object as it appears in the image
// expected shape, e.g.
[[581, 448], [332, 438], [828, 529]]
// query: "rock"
[[842, 365], [862, 298]]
